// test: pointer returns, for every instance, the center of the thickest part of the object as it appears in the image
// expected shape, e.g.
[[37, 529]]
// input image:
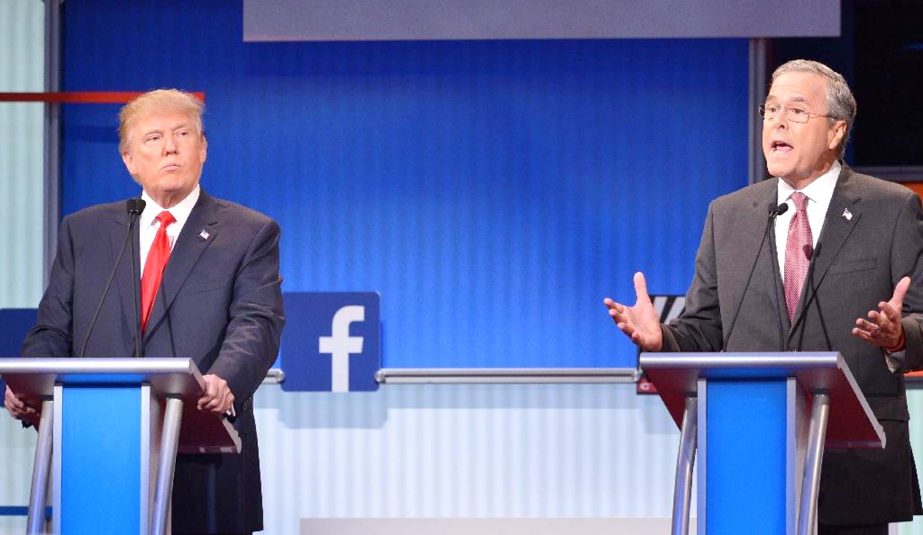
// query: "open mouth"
[[780, 147]]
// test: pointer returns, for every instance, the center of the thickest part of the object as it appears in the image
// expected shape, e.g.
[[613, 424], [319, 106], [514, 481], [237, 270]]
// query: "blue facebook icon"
[[331, 342]]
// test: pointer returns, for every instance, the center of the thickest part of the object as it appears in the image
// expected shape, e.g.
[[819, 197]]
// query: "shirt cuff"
[[895, 360]]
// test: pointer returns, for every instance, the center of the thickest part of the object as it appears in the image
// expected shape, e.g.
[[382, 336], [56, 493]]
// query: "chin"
[[778, 170]]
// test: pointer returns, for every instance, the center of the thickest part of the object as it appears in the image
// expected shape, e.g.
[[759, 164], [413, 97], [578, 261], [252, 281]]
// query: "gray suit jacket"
[[858, 262], [220, 304]]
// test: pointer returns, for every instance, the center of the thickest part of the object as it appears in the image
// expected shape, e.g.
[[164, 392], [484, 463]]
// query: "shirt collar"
[[819, 191], [180, 211]]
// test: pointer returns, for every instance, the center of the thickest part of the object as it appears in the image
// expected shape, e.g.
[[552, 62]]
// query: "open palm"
[[639, 322]]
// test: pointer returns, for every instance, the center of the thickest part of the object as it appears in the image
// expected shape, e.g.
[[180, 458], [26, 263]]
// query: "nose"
[[169, 145], [776, 122]]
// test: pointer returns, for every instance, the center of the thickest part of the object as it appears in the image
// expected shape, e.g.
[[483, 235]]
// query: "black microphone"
[[134, 208], [166, 312], [776, 277], [804, 311], [774, 212], [159, 294], [167, 318]]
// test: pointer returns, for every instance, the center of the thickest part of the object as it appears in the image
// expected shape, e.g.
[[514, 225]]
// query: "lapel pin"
[[847, 215], [204, 234]]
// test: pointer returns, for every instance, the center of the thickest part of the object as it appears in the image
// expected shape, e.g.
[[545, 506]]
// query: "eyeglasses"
[[796, 115]]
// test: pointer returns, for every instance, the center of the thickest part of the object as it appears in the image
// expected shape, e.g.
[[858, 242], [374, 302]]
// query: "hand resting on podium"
[[19, 409], [217, 399]]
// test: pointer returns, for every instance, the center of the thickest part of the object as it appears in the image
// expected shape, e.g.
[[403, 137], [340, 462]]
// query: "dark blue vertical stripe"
[[492, 191]]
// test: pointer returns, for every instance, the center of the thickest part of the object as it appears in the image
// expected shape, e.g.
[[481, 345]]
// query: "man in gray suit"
[[210, 291], [834, 275]]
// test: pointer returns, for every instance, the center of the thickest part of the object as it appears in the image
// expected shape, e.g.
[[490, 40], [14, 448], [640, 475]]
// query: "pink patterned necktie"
[[798, 251]]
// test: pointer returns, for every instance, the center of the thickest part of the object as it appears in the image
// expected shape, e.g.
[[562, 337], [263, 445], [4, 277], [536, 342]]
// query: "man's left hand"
[[883, 328], [218, 397]]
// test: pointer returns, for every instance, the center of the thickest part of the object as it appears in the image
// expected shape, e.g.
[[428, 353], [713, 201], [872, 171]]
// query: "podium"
[[760, 423], [109, 434]]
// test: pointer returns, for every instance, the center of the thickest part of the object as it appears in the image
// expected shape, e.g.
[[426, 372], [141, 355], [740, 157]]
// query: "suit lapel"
[[127, 297], [843, 214], [746, 242], [197, 235]]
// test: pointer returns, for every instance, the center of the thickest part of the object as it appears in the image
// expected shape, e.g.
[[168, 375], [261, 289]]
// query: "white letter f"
[[340, 345]]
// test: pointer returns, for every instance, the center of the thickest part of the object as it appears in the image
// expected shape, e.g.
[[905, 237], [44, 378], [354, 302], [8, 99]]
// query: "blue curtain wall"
[[493, 192]]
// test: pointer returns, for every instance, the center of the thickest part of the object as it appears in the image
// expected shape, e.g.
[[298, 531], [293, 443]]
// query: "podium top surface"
[[750, 363], [851, 423], [74, 365], [34, 379], [167, 376]]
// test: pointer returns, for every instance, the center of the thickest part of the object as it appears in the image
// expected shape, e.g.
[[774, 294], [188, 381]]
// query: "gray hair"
[[841, 105]]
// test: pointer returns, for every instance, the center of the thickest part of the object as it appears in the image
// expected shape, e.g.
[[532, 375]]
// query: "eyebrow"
[[773, 98], [173, 129]]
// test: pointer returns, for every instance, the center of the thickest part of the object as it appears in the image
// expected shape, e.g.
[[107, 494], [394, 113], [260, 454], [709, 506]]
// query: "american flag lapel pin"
[[204, 234], [847, 215]]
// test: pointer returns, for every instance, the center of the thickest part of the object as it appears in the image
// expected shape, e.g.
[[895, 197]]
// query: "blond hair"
[[160, 101]]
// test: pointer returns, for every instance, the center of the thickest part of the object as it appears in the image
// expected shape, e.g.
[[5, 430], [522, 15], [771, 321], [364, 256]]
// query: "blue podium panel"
[[760, 422], [100, 459], [745, 452]]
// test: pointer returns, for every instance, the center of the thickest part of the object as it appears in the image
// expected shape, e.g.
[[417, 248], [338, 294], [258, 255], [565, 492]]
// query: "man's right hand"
[[639, 322], [18, 408]]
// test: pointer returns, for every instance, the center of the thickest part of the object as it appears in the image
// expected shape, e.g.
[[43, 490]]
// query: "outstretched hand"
[[639, 322], [883, 328]]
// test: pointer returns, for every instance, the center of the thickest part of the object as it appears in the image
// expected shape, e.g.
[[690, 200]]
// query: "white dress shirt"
[[149, 223], [819, 194]]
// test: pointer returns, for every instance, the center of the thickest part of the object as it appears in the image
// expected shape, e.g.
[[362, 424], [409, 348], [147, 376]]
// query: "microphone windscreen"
[[135, 206], [779, 210], [808, 251]]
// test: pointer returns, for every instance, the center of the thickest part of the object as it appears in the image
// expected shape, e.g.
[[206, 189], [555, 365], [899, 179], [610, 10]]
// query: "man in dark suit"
[[865, 239], [210, 290]]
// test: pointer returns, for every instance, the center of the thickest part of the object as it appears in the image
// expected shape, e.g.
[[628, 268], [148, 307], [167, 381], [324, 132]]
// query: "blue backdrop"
[[493, 192]]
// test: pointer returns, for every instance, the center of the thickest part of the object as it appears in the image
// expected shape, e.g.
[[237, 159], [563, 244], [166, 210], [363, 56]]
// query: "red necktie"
[[157, 259], [798, 251]]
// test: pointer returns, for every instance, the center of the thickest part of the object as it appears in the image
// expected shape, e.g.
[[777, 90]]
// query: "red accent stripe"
[[80, 97]]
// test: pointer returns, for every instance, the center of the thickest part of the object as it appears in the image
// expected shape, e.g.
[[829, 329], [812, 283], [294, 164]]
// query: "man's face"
[[165, 155], [798, 152]]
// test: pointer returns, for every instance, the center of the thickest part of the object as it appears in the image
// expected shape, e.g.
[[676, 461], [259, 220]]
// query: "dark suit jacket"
[[220, 304], [859, 260]]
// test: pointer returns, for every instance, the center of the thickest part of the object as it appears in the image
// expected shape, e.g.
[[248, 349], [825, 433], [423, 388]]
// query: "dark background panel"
[[880, 52]]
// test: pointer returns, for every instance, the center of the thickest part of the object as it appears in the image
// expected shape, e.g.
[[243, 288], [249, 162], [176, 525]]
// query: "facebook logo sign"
[[331, 341]]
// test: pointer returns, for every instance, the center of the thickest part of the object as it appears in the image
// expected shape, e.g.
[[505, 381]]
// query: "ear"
[[129, 162], [837, 133]]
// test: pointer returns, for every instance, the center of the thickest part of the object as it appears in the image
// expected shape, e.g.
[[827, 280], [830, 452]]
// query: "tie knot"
[[165, 218], [801, 200]]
